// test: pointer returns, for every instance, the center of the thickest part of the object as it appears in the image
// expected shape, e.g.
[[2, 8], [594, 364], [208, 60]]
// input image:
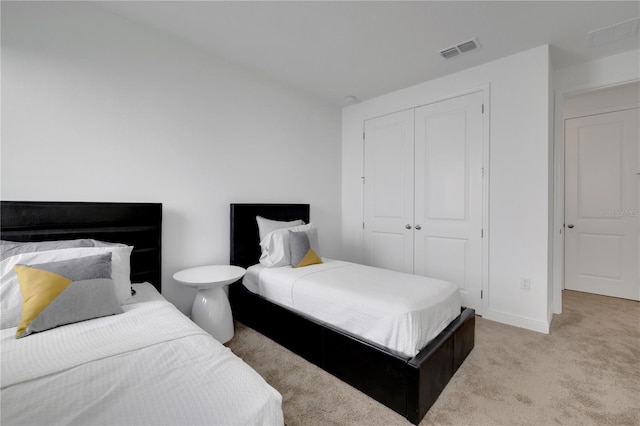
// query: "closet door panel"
[[445, 258], [385, 249], [448, 188], [445, 159], [388, 191]]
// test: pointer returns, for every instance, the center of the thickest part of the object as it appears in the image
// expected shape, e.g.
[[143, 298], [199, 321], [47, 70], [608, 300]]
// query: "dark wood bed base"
[[407, 386], [136, 224]]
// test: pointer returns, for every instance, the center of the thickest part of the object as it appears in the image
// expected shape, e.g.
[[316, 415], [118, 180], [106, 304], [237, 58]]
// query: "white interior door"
[[388, 192], [448, 194], [601, 204]]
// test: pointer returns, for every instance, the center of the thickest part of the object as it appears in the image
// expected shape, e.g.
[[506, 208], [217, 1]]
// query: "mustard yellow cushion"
[[64, 292], [303, 248]]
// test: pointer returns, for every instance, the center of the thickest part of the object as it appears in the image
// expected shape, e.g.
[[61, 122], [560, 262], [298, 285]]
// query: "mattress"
[[149, 365], [400, 312], [251, 279], [146, 292]]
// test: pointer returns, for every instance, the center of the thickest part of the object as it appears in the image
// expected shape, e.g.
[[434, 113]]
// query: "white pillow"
[[11, 298], [266, 226], [275, 246]]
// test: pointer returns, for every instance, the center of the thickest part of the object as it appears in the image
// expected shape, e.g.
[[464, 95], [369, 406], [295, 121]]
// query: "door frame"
[[486, 138], [558, 268]]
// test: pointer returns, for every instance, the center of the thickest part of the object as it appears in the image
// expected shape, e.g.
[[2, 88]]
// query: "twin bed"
[[403, 359], [149, 364]]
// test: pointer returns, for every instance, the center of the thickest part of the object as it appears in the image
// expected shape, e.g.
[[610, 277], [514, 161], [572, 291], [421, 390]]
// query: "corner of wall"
[[551, 195]]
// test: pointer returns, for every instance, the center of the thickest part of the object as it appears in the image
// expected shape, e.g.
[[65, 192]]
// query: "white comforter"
[[401, 312], [148, 366]]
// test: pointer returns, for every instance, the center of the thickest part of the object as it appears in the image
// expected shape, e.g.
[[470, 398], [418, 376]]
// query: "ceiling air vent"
[[460, 48], [615, 32], [449, 53]]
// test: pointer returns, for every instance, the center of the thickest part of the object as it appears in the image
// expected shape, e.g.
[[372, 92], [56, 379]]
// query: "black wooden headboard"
[[245, 248], [135, 224]]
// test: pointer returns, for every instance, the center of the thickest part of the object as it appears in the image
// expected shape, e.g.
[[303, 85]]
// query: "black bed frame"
[[408, 386], [136, 224]]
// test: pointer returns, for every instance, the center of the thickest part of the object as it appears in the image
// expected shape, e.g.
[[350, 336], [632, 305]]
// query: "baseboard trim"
[[516, 321]]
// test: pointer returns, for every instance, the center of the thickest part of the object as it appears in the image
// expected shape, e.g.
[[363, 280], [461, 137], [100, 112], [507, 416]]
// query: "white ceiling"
[[368, 48]]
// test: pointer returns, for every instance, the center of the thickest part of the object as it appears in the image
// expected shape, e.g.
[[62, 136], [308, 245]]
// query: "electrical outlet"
[[525, 283]]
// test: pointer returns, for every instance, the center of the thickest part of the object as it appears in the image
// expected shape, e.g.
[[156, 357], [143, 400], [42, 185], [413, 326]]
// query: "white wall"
[[605, 72], [519, 199], [98, 108]]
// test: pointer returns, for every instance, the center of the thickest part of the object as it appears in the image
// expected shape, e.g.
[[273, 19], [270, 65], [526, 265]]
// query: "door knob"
[[569, 226], [418, 227], [407, 226]]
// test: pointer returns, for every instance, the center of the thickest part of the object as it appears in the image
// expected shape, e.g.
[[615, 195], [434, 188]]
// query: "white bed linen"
[[401, 312], [251, 279], [148, 366]]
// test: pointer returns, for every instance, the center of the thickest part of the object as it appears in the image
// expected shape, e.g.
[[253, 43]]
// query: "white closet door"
[[388, 192], [448, 194], [601, 204]]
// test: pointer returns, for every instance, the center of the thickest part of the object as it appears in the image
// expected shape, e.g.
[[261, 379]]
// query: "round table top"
[[209, 276]]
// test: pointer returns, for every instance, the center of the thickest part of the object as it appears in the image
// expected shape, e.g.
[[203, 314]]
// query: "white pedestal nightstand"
[[211, 309]]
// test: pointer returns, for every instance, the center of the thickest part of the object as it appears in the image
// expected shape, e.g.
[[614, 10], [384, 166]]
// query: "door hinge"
[[362, 135], [362, 225], [482, 233], [483, 108], [481, 294], [363, 179], [483, 172]]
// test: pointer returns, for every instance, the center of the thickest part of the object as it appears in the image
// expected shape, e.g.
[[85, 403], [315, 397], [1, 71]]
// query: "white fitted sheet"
[[401, 312], [150, 365], [251, 279]]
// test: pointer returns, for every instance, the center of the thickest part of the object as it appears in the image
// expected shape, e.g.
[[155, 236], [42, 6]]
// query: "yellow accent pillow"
[[303, 248], [65, 292], [38, 289]]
